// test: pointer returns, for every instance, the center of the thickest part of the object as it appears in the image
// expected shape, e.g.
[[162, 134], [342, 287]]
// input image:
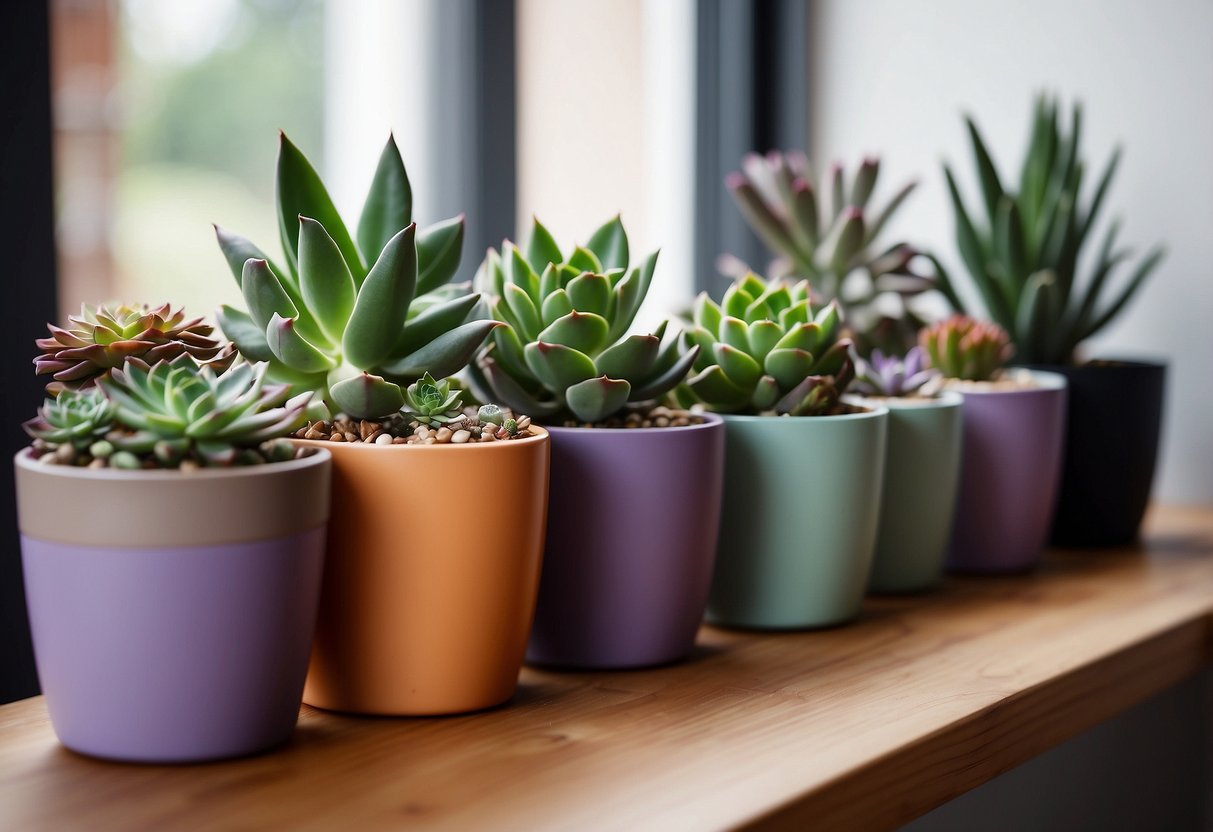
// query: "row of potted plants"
[[385, 491]]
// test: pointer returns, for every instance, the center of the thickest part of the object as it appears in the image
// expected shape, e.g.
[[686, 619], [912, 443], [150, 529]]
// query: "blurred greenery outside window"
[[204, 87]]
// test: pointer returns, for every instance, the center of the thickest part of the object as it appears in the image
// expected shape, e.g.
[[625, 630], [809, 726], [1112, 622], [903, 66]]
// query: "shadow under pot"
[[1013, 442], [172, 612], [430, 578], [799, 519], [631, 537], [921, 480], [1113, 427]]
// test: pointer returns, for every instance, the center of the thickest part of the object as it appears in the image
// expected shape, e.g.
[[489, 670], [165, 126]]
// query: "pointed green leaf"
[[524, 311], [264, 295], [735, 333], [513, 395], [585, 260], [301, 193], [766, 394], [541, 249], [610, 245], [389, 203], [518, 272], [631, 359], [590, 293], [597, 398], [706, 313], [508, 353], [446, 355], [433, 322], [741, 369], [668, 378], [249, 338], [367, 396], [991, 187], [292, 349], [714, 389], [439, 249], [558, 367], [324, 279], [382, 305], [788, 366], [763, 336], [582, 331], [551, 280], [556, 305], [630, 293]]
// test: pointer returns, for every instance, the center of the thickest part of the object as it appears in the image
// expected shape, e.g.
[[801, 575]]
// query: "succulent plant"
[[966, 348], [893, 376], [564, 352], [75, 417], [431, 402], [1022, 248], [102, 338], [830, 239], [340, 325], [179, 410], [763, 349]]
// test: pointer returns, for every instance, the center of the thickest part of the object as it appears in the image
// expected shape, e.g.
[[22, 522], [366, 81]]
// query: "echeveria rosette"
[[74, 417], [101, 338], [342, 317], [893, 376], [564, 352], [829, 236], [177, 410], [967, 348], [1022, 247], [764, 350], [429, 402]]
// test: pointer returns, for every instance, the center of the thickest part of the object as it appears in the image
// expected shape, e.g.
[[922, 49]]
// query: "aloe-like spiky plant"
[[339, 318], [75, 417], [892, 375], [763, 349], [1021, 249], [829, 236], [966, 348], [178, 410], [564, 352], [101, 338]]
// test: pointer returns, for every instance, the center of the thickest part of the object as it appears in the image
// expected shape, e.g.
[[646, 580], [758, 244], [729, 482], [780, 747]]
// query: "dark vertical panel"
[[751, 95], [474, 125], [27, 241]]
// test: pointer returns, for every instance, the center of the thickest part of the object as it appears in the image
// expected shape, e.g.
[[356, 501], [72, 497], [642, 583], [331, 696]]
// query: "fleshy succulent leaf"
[[367, 396], [610, 245], [301, 193], [389, 202], [439, 250], [383, 302]]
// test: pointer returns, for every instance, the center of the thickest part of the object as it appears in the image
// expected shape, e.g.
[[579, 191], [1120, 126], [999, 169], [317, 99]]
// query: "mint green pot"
[[922, 475], [798, 525]]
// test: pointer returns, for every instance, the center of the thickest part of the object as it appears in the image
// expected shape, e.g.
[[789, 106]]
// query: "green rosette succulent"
[[431, 402], [564, 352], [178, 410], [966, 348], [342, 317], [763, 349], [75, 417], [1022, 247]]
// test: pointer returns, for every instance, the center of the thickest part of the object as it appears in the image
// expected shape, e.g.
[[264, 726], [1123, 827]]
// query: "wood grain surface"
[[860, 727]]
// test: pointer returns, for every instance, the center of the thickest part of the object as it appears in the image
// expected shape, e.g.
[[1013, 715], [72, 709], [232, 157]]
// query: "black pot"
[[1113, 427]]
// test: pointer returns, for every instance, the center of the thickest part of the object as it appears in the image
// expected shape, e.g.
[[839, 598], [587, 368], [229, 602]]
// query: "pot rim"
[[23, 460], [1047, 382], [709, 420], [946, 399], [1115, 364], [874, 412], [447, 447]]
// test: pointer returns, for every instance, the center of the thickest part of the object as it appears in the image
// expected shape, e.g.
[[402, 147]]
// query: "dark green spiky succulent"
[[75, 417], [764, 350], [966, 348], [103, 337], [1022, 249], [831, 237], [564, 352], [337, 323], [431, 402], [177, 410]]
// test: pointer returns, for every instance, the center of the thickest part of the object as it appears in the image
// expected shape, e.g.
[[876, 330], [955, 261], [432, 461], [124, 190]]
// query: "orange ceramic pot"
[[430, 577]]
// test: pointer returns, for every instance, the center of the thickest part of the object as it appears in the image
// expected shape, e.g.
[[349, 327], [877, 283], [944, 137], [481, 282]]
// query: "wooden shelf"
[[862, 727]]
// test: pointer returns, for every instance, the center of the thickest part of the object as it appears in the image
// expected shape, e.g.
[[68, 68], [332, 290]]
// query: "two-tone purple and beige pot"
[[631, 539], [1014, 437], [172, 613]]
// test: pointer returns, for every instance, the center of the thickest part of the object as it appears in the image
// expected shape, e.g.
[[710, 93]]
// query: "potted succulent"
[[828, 234], [429, 585], [1022, 253], [1014, 431], [635, 485], [922, 468], [795, 542], [160, 634]]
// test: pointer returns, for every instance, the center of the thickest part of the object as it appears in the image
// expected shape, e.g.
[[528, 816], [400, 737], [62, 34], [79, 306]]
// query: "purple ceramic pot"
[[1013, 443], [171, 613], [633, 517]]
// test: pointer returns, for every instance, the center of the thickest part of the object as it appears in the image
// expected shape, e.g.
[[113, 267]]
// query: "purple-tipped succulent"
[[889, 375]]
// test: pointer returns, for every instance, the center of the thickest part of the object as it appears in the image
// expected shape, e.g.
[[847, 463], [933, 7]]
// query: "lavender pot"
[[1013, 444], [631, 539], [171, 613]]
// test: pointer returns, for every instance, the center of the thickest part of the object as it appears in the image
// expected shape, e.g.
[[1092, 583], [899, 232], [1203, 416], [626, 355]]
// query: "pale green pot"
[[922, 474], [798, 526]]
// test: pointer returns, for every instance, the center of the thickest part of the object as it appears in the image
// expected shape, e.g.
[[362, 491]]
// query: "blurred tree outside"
[[205, 86]]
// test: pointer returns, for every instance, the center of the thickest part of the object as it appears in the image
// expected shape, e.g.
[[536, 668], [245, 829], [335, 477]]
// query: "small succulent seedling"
[[1022, 248], [177, 410], [340, 318], [763, 350], [831, 237], [79, 418], [102, 338], [893, 376], [966, 348], [564, 352], [431, 402]]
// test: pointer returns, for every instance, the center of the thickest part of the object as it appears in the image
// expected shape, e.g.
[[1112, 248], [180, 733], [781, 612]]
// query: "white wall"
[[892, 76]]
